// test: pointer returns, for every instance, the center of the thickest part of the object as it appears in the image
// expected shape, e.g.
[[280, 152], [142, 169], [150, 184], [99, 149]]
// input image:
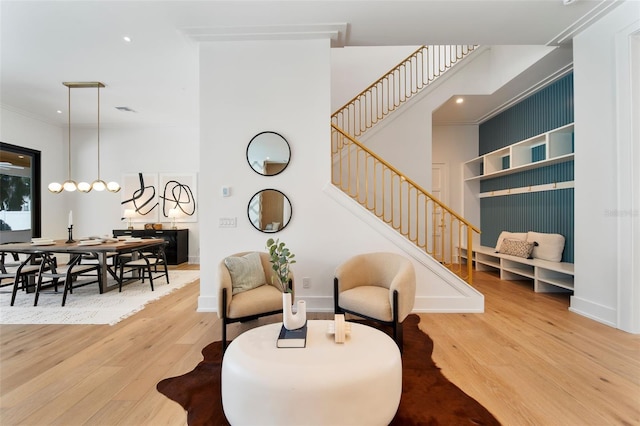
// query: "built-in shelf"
[[547, 276], [523, 155]]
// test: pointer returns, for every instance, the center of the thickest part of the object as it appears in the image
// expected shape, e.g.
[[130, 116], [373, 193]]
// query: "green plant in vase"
[[281, 258]]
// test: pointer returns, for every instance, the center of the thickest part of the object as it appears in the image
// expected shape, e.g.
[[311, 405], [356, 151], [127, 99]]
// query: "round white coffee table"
[[358, 382]]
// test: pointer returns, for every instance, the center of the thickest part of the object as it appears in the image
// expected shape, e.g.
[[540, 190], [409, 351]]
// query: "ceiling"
[[45, 43]]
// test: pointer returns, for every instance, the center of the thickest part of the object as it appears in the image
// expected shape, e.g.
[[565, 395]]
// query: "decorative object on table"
[[281, 258], [70, 239], [340, 328], [292, 338], [199, 391], [70, 228], [153, 226], [290, 320], [70, 185], [129, 214], [173, 213]]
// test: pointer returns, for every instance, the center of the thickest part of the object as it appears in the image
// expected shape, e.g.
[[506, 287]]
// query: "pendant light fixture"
[[69, 184], [98, 184]]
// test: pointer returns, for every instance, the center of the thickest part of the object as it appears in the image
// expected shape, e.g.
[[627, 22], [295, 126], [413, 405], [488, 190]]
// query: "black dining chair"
[[72, 275], [18, 272], [146, 263]]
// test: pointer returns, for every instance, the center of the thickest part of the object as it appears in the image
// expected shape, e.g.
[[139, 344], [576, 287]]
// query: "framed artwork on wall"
[[177, 192], [140, 195]]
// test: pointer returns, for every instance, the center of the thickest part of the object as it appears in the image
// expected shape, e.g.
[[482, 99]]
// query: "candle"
[[70, 218]]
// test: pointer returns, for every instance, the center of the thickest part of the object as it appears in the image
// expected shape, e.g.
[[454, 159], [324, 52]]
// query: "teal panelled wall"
[[545, 110], [545, 211], [562, 172]]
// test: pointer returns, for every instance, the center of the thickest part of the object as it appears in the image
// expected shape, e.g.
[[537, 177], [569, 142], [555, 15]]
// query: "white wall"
[[453, 145], [19, 129], [354, 68], [606, 287]]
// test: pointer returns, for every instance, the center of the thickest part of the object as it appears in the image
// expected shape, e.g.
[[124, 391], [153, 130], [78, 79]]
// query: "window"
[[20, 217]]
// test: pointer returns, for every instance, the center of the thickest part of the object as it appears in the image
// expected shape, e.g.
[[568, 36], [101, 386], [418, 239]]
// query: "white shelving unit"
[[548, 277], [558, 148]]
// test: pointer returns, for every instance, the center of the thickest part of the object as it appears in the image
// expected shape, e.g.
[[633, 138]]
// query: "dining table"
[[101, 248]]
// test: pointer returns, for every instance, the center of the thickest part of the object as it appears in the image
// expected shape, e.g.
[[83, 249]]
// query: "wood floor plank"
[[527, 358]]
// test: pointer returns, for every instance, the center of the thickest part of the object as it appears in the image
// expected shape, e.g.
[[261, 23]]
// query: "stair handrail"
[[470, 227], [416, 77]]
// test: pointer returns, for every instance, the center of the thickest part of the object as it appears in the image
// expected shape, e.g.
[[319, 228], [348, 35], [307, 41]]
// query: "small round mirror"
[[269, 210], [268, 153]]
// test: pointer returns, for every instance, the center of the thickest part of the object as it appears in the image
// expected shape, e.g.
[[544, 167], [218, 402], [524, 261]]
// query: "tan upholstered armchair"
[[255, 296], [376, 286]]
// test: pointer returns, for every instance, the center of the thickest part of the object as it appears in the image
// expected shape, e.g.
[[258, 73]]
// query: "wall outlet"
[[306, 282], [227, 222]]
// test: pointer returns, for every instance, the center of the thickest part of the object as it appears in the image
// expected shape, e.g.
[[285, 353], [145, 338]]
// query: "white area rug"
[[86, 305]]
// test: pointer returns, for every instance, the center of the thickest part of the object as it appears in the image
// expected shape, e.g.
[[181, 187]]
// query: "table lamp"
[[128, 214], [173, 213]]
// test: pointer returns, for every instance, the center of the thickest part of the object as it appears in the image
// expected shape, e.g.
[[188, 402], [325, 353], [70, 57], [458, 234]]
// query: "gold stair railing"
[[401, 203], [397, 86]]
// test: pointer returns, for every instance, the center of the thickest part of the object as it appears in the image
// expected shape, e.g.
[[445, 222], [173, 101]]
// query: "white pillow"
[[522, 236], [246, 272], [550, 246]]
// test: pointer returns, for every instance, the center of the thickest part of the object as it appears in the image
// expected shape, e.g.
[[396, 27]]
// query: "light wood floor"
[[527, 359]]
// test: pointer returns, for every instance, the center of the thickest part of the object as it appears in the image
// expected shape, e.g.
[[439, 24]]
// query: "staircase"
[[375, 184]]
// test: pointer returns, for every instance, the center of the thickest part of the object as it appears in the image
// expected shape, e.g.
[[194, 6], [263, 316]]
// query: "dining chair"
[[72, 275], [147, 263], [111, 263], [17, 272]]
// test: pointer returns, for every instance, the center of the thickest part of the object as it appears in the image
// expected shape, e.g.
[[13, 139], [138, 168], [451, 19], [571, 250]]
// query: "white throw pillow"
[[550, 246], [521, 236], [246, 272]]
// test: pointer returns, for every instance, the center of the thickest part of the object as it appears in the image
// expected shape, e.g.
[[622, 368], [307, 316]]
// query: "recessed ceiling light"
[[459, 100], [127, 39]]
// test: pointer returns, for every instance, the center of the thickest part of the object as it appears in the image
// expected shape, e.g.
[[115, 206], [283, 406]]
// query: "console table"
[[325, 383], [177, 249]]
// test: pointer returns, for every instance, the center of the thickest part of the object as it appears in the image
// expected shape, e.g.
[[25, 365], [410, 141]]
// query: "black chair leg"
[[336, 306], [223, 318], [67, 287]]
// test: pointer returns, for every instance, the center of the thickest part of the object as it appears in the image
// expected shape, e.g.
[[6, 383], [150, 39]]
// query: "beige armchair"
[[376, 286], [265, 298]]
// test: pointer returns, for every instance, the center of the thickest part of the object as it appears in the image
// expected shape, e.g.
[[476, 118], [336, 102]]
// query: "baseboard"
[[594, 311]]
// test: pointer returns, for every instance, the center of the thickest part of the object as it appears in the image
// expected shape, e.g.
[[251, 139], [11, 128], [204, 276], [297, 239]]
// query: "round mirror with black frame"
[[269, 210], [268, 153]]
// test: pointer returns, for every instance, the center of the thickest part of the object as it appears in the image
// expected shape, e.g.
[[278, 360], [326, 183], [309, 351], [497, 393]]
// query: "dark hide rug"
[[428, 398]]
